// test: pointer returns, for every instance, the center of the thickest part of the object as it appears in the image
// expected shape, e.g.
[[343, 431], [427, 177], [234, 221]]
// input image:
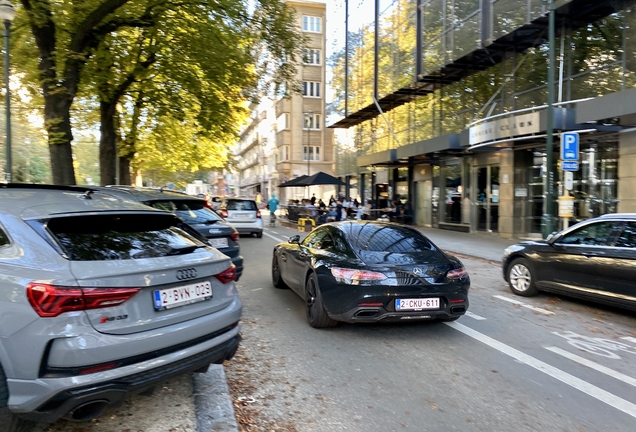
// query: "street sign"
[[569, 180], [569, 166], [566, 206], [570, 146]]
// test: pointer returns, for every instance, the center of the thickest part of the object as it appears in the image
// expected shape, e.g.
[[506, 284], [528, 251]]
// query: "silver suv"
[[101, 298]]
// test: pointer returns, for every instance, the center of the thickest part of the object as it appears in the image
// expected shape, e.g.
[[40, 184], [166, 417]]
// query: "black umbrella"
[[320, 178], [293, 182]]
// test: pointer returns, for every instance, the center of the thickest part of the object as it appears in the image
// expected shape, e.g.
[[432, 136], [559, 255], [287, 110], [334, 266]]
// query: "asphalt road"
[[540, 364]]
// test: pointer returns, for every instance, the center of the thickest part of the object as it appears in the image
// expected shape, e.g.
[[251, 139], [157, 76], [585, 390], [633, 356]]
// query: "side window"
[[627, 239], [4, 238], [340, 244], [315, 239], [594, 234]]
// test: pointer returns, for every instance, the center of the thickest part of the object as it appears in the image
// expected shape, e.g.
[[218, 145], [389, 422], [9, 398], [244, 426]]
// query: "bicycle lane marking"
[[278, 239], [597, 367], [517, 302], [574, 382]]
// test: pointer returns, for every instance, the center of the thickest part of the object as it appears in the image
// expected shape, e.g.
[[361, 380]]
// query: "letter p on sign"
[[570, 146]]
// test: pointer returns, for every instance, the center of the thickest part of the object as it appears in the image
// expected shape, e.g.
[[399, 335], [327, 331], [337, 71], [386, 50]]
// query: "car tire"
[[9, 422], [521, 278], [259, 234], [316, 313], [277, 279]]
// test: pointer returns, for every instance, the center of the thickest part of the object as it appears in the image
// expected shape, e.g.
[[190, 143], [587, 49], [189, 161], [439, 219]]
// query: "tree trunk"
[[107, 143], [124, 171], [57, 117]]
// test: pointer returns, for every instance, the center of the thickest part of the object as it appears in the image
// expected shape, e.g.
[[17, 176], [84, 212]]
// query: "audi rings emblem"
[[189, 273], [417, 271]]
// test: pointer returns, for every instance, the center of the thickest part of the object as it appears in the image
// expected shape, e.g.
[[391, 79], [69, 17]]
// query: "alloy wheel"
[[520, 277]]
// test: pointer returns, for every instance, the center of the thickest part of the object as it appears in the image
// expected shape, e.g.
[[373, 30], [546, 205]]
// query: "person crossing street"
[[272, 206]]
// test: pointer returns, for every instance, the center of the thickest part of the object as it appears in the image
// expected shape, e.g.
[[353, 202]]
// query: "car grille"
[[406, 278]]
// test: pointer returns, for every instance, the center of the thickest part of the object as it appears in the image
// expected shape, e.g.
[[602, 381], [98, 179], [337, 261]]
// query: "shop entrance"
[[486, 182]]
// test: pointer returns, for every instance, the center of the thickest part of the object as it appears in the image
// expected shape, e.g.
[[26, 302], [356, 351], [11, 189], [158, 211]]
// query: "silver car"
[[101, 298], [243, 214]]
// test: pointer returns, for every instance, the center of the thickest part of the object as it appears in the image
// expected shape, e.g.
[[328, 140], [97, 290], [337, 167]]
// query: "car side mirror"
[[552, 238], [294, 239]]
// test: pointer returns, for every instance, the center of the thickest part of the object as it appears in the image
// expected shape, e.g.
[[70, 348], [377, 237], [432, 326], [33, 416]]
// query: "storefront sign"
[[566, 206], [521, 192], [504, 128]]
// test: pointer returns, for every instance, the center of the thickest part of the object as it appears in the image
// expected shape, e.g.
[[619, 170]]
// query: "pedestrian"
[[338, 211], [313, 199]]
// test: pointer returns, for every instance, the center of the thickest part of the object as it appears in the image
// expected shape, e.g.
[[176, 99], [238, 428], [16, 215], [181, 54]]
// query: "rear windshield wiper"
[[183, 250], [210, 221]]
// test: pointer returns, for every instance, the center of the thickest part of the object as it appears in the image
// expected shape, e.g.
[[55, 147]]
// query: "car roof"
[[618, 216], [146, 194], [31, 201]]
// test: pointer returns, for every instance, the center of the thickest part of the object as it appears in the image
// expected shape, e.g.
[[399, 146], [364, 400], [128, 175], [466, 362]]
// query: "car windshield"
[[387, 238], [191, 212], [120, 237], [240, 205]]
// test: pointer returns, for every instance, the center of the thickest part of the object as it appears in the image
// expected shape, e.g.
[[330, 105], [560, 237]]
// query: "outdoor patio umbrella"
[[320, 178], [293, 182]]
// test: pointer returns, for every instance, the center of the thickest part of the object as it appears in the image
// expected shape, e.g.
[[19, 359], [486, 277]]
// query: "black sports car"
[[363, 271]]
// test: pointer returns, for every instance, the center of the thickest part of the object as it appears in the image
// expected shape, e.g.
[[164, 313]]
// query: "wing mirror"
[[552, 237], [294, 239]]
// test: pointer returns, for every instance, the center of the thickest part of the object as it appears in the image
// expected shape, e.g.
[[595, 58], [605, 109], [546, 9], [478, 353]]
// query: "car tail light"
[[258, 214], [224, 214], [98, 368], [235, 236], [457, 273], [51, 301], [227, 275], [353, 276]]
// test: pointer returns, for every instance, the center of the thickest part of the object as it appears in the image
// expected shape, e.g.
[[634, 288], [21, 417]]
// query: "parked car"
[[368, 271], [101, 298], [593, 260], [243, 214], [193, 211]]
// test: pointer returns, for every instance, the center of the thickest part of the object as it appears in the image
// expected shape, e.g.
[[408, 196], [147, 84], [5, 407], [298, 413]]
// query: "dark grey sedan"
[[593, 260]]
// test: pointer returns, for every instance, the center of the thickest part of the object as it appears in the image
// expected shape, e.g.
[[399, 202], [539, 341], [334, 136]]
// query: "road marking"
[[271, 236], [577, 383], [585, 362], [256, 289], [629, 338], [475, 316], [517, 302]]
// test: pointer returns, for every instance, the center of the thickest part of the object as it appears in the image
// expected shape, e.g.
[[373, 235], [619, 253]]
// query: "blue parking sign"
[[569, 146]]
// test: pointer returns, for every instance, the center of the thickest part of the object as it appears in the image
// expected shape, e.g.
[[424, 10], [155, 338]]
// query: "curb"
[[212, 401]]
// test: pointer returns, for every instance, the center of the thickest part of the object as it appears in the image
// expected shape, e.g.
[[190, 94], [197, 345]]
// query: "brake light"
[[457, 273], [235, 236], [353, 276], [51, 301], [224, 214], [258, 214], [227, 275]]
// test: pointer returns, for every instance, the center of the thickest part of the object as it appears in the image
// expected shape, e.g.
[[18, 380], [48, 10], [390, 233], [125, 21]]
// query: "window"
[[311, 121], [316, 239], [311, 88], [282, 123], [312, 24], [627, 239], [314, 153], [283, 154], [4, 238], [311, 56], [594, 234]]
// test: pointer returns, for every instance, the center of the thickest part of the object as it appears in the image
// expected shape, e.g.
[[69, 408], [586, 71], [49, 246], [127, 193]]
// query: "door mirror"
[[294, 239], [552, 237]]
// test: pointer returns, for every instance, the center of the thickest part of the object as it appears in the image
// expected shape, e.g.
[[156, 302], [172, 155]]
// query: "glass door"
[[487, 198]]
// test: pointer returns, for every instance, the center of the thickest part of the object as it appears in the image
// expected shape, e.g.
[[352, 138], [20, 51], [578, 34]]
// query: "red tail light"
[[227, 275], [353, 277], [258, 214], [235, 236], [224, 214], [457, 273], [51, 301]]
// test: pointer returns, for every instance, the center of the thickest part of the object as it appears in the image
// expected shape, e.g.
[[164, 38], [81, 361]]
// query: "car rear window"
[[120, 237], [387, 238], [240, 205], [191, 212]]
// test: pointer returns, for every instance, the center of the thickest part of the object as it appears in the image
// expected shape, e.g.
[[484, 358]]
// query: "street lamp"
[[548, 221], [7, 13], [308, 121]]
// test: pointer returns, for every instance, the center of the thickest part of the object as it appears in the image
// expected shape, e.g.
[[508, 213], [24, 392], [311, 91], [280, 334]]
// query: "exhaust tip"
[[458, 309], [366, 313], [89, 410]]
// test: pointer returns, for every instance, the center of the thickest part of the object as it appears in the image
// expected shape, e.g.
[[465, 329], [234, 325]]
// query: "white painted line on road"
[[585, 362], [256, 289], [629, 338], [271, 236], [577, 383], [475, 316], [517, 302]]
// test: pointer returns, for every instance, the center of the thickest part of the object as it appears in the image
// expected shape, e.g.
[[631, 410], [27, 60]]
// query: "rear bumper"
[[122, 383], [249, 229], [373, 314]]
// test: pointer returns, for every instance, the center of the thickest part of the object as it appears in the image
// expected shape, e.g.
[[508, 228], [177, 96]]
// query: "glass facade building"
[[450, 109]]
